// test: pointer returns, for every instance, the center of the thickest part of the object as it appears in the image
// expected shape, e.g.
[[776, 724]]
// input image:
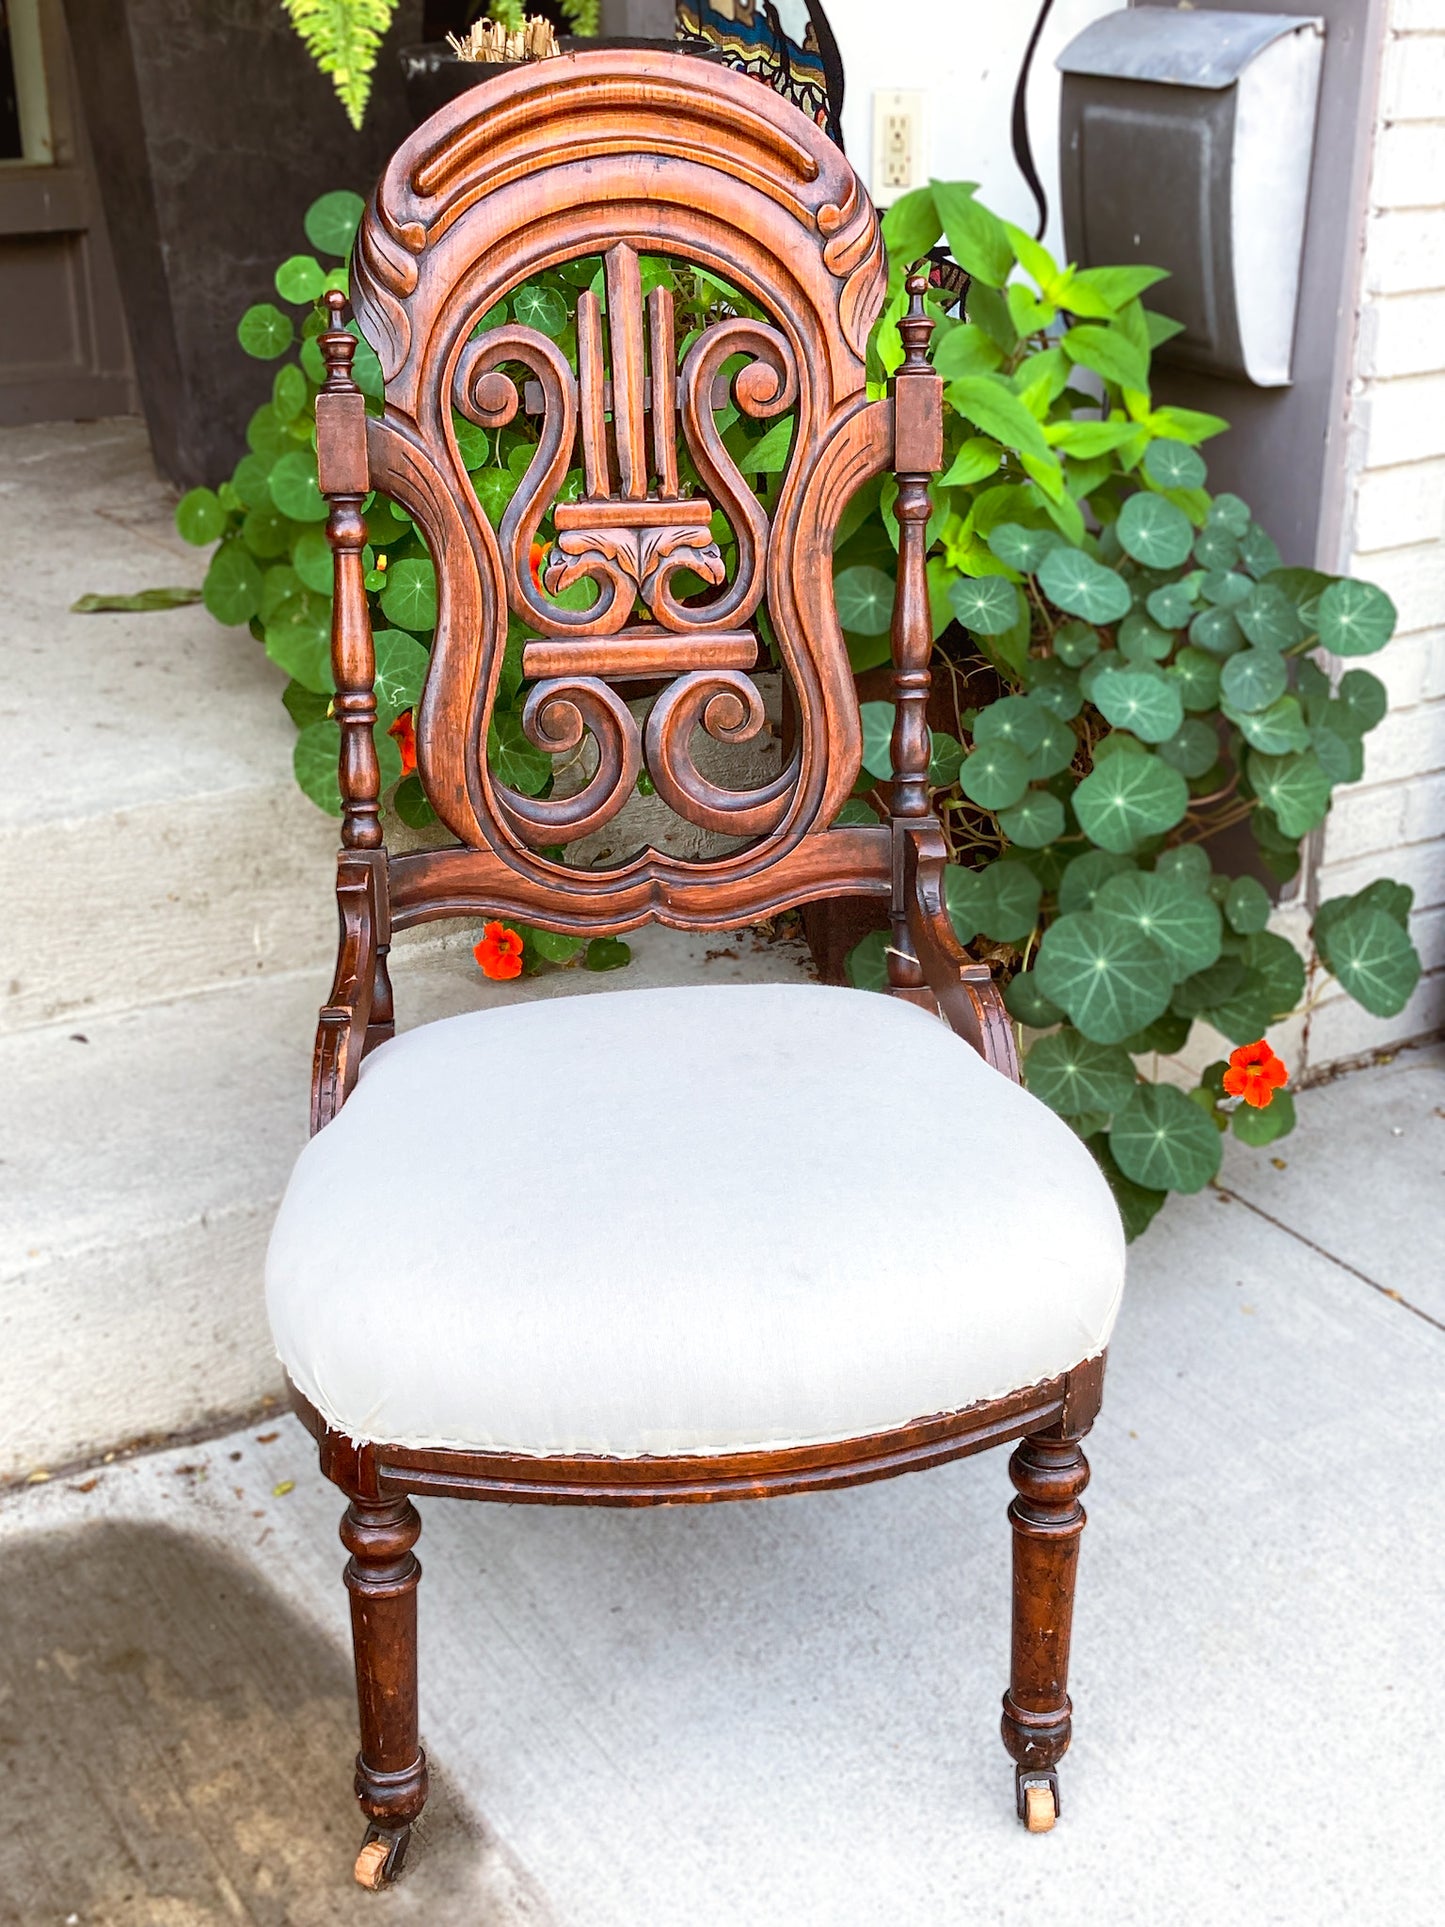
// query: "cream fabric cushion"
[[684, 1220]]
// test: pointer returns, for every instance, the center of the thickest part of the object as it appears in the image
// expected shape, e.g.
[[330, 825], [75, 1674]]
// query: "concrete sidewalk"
[[759, 1716]]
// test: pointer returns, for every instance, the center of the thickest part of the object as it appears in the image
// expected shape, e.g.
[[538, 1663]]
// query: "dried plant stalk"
[[535, 39]]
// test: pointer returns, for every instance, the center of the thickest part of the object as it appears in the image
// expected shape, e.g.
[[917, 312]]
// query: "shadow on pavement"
[[177, 1745]]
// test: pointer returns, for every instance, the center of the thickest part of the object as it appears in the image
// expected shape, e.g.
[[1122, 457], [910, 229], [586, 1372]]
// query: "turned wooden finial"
[[917, 325], [337, 344]]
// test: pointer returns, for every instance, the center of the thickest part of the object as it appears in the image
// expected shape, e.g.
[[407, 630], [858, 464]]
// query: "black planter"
[[432, 74], [213, 132]]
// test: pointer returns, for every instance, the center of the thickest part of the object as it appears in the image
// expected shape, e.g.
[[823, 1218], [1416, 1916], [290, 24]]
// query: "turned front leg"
[[1048, 1473], [391, 1776]]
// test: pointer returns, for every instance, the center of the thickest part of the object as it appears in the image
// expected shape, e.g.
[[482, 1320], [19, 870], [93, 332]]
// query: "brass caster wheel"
[[379, 1861], [1038, 1799]]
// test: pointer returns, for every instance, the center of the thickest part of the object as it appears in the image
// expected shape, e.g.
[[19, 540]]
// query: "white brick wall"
[[1393, 823]]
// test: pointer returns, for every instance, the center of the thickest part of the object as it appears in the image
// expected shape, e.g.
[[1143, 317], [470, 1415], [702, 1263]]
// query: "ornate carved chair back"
[[617, 155]]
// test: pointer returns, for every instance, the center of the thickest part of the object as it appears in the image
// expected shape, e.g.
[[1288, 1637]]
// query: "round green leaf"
[[945, 755], [1186, 864], [263, 331], [1108, 978], [266, 433], [1371, 957], [1022, 549], [1154, 531], [1192, 749], [1260, 1127], [1075, 643], [1072, 1074], [1279, 969], [877, 720], [1137, 1206], [1171, 606], [495, 488], [311, 559], [1143, 703], [1294, 789], [1128, 798], [1257, 551], [284, 597], [999, 901], [294, 488], [200, 518], [1163, 1141], [1055, 686], [331, 222], [994, 775], [300, 643], [473, 443], [986, 604], [1247, 905], [1080, 586], [289, 392], [1175, 465], [300, 279], [232, 588], [1217, 631], [267, 532], [1215, 548], [1225, 588], [540, 308], [411, 803], [251, 480], [607, 953], [1027, 1004], [864, 596], [1182, 921], [1197, 675], [1276, 730], [1365, 698], [1355, 618], [1253, 679], [866, 965], [409, 599], [314, 759], [1269, 618], [1034, 822], [1086, 876], [1228, 512], [401, 666], [1142, 640]]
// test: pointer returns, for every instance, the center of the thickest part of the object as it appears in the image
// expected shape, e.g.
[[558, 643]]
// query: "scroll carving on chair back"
[[623, 156]]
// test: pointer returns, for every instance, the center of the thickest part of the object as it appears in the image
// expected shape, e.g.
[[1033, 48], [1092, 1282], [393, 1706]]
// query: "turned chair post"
[[1049, 1472], [391, 1776], [917, 457]]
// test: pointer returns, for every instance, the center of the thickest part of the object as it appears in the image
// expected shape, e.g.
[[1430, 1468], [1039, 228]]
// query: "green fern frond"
[[582, 16], [343, 37]]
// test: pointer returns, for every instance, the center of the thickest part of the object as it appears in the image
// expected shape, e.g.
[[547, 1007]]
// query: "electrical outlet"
[[898, 158]]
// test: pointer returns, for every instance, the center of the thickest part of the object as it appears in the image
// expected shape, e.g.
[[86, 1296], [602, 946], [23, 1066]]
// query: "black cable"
[[1023, 150]]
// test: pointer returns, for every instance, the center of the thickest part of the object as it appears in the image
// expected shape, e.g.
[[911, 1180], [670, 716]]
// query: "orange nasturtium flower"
[[403, 734], [499, 954], [537, 558], [1255, 1074]]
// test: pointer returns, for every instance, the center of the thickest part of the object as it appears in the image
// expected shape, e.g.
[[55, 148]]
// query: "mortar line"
[[1385, 1291]]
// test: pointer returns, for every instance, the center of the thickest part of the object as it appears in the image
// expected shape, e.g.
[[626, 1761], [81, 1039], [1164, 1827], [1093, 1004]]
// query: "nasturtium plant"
[[1135, 673], [1141, 675]]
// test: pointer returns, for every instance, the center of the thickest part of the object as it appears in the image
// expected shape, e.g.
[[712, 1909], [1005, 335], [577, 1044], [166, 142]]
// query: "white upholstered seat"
[[677, 1221]]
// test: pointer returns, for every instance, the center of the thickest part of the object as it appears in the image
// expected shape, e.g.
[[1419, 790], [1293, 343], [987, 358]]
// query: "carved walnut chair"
[[624, 1304]]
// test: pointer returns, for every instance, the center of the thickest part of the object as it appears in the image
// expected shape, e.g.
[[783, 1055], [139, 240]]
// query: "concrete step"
[[145, 1154], [150, 827]]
